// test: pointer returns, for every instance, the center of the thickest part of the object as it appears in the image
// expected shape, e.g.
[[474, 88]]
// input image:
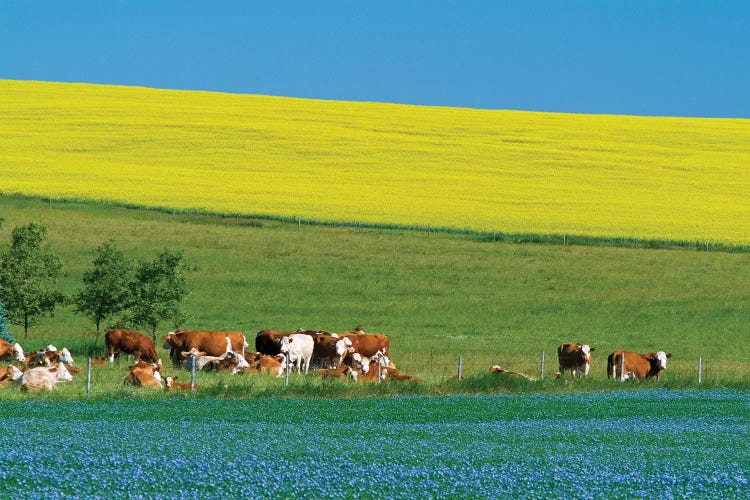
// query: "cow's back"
[[211, 342], [369, 344]]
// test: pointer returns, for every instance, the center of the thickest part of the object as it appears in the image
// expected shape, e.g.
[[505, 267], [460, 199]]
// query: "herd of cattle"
[[356, 356]]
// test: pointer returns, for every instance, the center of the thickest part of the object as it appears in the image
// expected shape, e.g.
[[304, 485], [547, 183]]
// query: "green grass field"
[[438, 297]]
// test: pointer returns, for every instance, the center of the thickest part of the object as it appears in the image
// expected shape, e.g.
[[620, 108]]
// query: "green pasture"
[[438, 296]]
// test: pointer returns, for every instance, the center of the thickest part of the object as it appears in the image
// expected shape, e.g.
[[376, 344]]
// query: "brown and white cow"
[[143, 374], [11, 351], [498, 370], [140, 346], [631, 365], [9, 374], [171, 385], [574, 357], [212, 343], [368, 344], [269, 341], [328, 350], [265, 364]]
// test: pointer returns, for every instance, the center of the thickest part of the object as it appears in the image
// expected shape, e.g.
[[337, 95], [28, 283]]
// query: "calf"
[[143, 374], [341, 372], [266, 364], [630, 365], [574, 357], [496, 369], [171, 385]]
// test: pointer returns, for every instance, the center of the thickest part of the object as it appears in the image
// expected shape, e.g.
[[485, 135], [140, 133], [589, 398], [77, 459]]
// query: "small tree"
[[107, 288], [160, 286], [28, 275], [4, 332]]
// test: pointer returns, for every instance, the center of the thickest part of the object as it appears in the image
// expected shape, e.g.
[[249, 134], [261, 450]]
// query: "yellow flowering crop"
[[510, 171]]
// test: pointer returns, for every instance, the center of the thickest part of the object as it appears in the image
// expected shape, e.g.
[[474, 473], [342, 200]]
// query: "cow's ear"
[[592, 349], [184, 354], [669, 355]]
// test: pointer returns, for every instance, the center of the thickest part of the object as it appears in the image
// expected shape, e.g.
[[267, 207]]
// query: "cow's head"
[[285, 344], [62, 373], [344, 346], [171, 341], [661, 360], [18, 353], [586, 350], [64, 356], [170, 382]]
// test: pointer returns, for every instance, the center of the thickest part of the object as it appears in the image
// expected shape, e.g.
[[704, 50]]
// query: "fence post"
[[622, 367], [700, 370], [192, 372], [88, 379], [460, 367], [379, 369], [541, 372], [286, 357]]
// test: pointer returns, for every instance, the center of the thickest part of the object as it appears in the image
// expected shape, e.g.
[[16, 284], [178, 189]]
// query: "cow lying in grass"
[[143, 374], [498, 370]]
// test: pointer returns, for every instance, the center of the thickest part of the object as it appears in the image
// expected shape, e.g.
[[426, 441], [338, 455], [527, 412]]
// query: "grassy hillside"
[[509, 171], [438, 297]]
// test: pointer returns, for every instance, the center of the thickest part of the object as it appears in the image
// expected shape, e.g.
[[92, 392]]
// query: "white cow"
[[299, 347], [44, 377]]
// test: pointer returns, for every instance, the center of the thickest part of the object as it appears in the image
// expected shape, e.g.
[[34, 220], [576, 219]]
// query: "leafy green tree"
[[28, 275], [4, 332], [159, 289], [107, 287]]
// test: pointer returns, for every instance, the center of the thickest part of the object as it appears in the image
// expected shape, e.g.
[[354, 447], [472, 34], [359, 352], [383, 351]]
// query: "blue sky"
[[638, 57]]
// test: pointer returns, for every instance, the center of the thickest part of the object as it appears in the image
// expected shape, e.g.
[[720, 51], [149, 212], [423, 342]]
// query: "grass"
[[437, 297], [595, 176]]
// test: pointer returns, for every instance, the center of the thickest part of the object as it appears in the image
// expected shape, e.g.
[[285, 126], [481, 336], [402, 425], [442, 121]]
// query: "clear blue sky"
[[640, 57]]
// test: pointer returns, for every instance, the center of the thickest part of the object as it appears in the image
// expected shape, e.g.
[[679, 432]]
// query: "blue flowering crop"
[[665, 444]]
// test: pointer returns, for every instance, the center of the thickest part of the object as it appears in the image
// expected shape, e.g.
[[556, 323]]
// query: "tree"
[[159, 288], [28, 275], [107, 287], [4, 332]]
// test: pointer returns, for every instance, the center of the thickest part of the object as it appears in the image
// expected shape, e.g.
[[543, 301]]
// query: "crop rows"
[[667, 444]]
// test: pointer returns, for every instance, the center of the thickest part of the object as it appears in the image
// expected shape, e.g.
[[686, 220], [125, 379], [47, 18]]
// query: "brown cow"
[[209, 342], [269, 341], [9, 351], [636, 366], [143, 374], [498, 370], [368, 344], [574, 357], [141, 347]]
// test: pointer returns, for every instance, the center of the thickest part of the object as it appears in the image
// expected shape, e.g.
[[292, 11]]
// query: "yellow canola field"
[[509, 171]]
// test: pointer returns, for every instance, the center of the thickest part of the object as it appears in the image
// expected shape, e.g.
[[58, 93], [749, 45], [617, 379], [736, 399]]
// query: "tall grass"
[[437, 297], [514, 172]]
